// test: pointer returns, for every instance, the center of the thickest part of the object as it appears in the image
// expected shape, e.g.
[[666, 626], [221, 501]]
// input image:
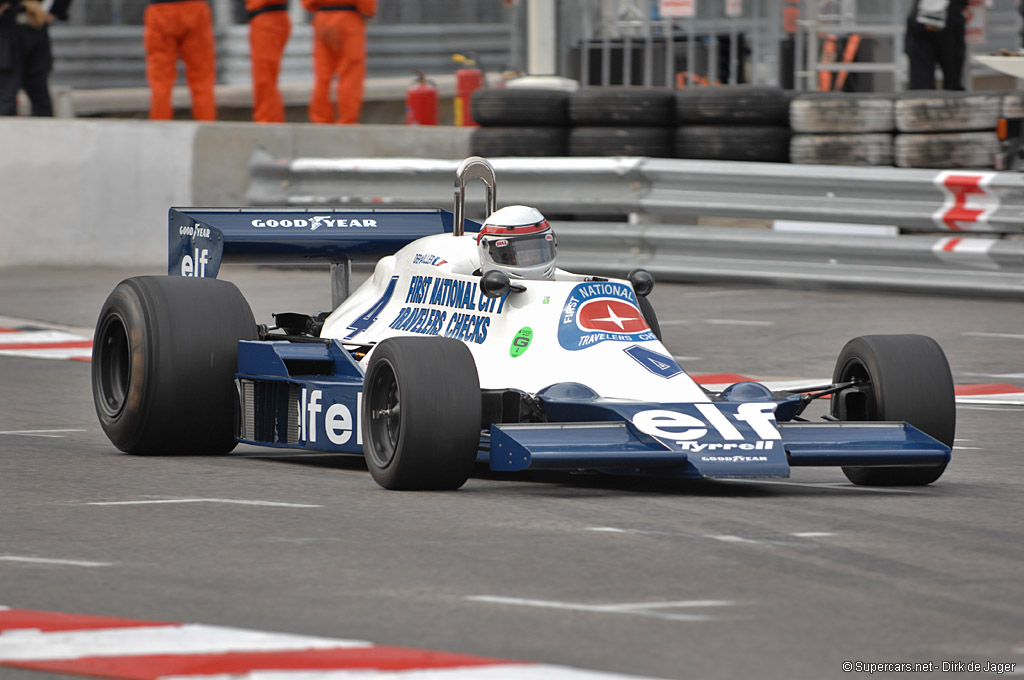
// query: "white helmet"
[[518, 241]]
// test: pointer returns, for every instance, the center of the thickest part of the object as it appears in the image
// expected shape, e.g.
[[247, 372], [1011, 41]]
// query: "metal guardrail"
[[654, 191], [113, 56], [912, 200]]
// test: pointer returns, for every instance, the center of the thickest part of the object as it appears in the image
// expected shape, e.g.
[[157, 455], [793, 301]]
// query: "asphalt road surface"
[[705, 580]]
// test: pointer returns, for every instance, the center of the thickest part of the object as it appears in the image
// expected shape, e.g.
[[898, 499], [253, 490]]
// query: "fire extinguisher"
[[421, 101], [467, 80]]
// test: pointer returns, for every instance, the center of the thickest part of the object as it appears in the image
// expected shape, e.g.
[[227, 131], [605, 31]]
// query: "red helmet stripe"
[[517, 230]]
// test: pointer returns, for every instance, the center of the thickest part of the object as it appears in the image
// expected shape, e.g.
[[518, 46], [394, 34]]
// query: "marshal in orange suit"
[[339, 48], [180, 28], [269, 28]]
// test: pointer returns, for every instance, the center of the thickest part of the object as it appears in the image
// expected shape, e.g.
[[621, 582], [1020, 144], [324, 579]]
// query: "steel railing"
[[953, 232]]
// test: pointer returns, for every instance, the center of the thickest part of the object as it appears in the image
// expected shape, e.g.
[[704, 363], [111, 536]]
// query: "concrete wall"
[[80, 192]]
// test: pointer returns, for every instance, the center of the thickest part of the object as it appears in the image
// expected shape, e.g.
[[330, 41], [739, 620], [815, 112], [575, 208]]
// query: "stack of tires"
[[732, 123], [520, 122], [948, 129], [841, 128], [621, 121]]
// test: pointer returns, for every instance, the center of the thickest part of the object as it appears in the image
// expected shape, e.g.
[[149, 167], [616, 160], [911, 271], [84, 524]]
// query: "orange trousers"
[[180, 29], [268, 34], [339, 47]]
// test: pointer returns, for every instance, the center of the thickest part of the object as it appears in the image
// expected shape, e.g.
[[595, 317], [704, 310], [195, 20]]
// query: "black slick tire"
[[495, 142], [621, 141], [830, 112], [520, 106], [764, 144], [421, 414], [622, 106], [732, 105], [906, 377], [165, 353], [926, 111]]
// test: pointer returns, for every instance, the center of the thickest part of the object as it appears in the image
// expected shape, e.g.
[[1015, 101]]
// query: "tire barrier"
[[841, 112], [949, 129], [921, 129], [763, 143], [842, 149]]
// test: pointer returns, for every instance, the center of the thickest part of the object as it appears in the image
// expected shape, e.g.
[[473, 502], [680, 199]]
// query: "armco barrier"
[[947, 265], [953, 202], [912, 200]]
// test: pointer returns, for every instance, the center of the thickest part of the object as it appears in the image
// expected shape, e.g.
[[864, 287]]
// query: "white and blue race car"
[[433, 365]]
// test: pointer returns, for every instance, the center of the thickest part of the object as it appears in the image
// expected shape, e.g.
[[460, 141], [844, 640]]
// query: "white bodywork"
[[566, 343]]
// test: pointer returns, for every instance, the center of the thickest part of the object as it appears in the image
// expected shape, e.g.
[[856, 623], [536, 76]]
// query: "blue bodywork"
[[308, 395]]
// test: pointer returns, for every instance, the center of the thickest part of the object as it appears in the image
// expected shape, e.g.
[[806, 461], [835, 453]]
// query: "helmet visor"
[[521, 251]]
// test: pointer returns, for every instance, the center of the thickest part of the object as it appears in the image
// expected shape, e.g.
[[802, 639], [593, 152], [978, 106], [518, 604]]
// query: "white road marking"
[[968, 407], [717, 322], [838, 486], [1011, 336], [149, 640], [14, 323], [208, 500], [1005, 400], [45, 560], [995, 375], [723, 293], [811, 534], [503, 671], [40, 433], [737, 322], [636, 608], [727, 538]]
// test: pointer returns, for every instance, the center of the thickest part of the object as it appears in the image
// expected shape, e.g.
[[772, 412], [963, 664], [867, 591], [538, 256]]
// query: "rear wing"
[[200, 240]]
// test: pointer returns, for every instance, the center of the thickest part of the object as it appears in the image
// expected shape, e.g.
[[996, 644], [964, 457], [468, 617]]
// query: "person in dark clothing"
[[936, 34], [25, 56]]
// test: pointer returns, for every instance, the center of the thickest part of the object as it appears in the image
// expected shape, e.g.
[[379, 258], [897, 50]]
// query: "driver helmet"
[[518, 241]]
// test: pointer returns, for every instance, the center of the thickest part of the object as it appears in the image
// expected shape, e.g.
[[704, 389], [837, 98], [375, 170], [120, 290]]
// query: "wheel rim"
[[113, 365], [855, 370], [385, 427]]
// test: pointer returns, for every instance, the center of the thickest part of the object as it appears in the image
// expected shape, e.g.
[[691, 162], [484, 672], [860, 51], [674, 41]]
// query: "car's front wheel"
[[421, 413], [900, 377]]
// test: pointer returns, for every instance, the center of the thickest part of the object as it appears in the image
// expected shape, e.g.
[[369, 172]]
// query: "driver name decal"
[[601, 311]]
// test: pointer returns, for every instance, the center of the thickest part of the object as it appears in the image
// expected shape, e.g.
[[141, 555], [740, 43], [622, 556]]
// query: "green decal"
[[521, 342]]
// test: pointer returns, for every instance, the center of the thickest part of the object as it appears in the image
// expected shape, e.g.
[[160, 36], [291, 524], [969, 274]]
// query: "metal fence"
[[608, 42], [651, 207], [129, 12]]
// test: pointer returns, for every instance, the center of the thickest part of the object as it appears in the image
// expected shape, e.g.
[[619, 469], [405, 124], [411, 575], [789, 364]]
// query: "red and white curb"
[[44, 344], [985, 393], [126, 649]]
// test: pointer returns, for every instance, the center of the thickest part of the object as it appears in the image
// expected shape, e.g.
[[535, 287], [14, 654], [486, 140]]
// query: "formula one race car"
[[441, 360]]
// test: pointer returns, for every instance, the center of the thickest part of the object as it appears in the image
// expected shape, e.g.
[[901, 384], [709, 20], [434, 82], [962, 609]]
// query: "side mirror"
[[643, 282], [496, 283]]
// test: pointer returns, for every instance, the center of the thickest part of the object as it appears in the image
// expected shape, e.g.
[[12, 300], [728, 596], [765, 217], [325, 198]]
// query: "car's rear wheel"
[[165, 353], [901, 377], [421, 413]]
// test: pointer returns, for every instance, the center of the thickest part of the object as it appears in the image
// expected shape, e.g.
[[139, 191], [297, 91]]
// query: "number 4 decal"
[[656, 363]]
